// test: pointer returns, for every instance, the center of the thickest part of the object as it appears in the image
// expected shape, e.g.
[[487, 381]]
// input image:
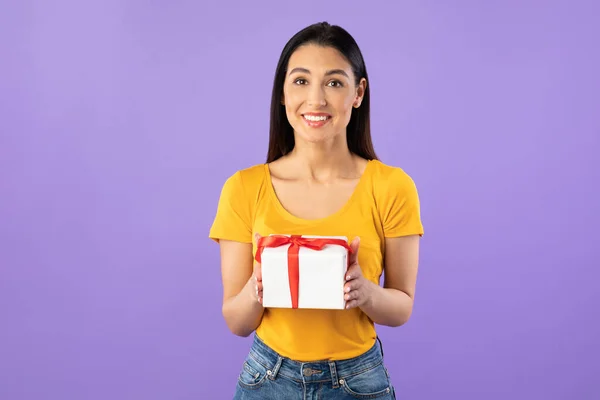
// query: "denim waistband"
[[314, 371]]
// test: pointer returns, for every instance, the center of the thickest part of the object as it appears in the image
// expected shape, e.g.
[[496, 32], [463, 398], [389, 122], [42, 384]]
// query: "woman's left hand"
[[358, 289]]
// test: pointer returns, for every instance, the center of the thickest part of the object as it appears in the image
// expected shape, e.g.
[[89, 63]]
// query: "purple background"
[[120, 121]]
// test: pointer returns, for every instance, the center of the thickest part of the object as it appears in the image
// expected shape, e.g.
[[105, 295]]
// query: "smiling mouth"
[[316, 118], [316, 121]]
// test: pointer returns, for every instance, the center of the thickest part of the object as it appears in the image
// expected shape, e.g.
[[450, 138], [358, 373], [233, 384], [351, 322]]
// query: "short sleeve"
[[233, 220], [401, 213]]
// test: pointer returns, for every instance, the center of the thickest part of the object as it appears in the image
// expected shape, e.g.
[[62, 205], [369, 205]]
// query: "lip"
[[316, 124], [312, 114], [317, 114]]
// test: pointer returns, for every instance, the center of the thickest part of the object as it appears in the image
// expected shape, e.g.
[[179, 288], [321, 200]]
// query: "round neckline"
[[271, 189]]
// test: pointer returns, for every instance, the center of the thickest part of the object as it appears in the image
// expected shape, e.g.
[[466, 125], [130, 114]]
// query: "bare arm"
[[242, 309], [391, 304]]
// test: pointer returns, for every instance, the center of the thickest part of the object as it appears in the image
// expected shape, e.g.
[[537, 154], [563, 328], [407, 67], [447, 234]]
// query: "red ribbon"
[[295, 241]]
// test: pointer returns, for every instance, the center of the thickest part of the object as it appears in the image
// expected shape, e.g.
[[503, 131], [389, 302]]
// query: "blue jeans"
[[267, 375]]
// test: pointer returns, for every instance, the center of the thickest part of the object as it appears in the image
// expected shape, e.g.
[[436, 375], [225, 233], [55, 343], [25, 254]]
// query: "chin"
[[315, 137]]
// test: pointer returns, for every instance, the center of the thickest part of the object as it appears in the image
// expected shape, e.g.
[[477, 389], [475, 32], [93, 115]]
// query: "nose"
[[316, 96]]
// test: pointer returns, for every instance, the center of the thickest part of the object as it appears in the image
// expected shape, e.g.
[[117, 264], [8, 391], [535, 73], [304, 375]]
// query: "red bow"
[[295, 241]]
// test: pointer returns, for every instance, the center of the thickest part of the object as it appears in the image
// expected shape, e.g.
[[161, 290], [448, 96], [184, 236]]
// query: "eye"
[[335, 84], [300, 81]]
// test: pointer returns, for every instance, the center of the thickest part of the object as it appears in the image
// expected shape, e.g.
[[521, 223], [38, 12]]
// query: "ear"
[[360, 92]]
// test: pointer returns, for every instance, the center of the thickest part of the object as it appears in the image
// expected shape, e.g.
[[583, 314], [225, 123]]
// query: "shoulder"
[[388, 179], [246, 181], [397, 200], [236, 206], [252, 175]]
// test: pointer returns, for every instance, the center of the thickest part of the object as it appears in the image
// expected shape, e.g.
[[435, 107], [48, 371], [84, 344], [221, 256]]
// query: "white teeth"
[[312, 118]]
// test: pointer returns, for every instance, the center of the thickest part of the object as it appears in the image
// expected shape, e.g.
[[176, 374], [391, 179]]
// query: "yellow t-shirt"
[[384, 204]]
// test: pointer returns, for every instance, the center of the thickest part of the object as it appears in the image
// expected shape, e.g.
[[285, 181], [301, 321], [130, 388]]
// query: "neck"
[[324, 161]]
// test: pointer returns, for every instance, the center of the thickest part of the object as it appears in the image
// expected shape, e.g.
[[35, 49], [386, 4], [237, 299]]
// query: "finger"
[[351, 304], [353, 295], [351, 285], [353, 257], [258, 290], [353, 272]]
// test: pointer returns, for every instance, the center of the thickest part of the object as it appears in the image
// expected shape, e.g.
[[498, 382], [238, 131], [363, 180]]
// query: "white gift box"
[[321, 276]]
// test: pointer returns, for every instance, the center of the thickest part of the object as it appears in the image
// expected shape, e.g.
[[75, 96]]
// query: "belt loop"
[[275, 370], [380, 346], [334, 380]]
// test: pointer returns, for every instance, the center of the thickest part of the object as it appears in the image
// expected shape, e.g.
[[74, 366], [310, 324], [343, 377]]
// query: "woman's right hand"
[[242, 288], [257, 293]]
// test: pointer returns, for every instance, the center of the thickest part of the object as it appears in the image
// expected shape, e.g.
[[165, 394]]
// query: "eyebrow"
[[330, 72]]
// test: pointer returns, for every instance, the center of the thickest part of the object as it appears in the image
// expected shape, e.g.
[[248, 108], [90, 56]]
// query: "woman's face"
[[319, 93]]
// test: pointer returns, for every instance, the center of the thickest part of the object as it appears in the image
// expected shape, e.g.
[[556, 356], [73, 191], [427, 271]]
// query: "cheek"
[[292, 106], [291, 117], [292, 94], [349, 102], [292, 102], [344, 108]]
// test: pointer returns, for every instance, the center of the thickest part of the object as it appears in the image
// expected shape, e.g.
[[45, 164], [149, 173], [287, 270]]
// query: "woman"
[[321, 177]]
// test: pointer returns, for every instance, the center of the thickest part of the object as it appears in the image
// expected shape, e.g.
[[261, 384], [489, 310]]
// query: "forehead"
[[318, 59]]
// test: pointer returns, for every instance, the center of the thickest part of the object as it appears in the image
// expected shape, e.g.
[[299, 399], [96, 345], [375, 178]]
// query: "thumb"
[[258, 271], [354, 247], [257, 255]]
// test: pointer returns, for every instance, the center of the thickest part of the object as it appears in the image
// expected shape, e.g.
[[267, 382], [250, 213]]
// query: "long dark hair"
[[358, 132]]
